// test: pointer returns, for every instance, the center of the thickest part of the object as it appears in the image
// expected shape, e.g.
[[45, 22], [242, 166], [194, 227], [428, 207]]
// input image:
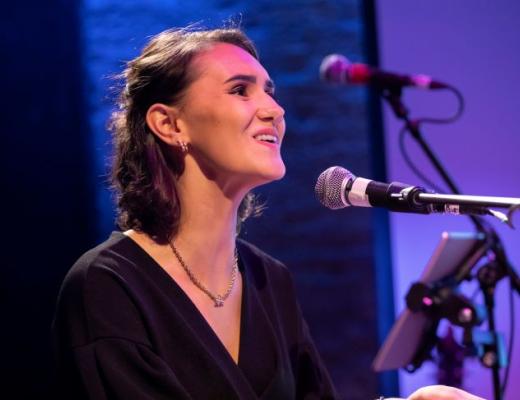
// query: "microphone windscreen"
[[334, 68], [330, 187]]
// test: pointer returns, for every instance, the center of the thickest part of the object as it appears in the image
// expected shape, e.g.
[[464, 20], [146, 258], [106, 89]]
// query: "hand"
[[439, 392]]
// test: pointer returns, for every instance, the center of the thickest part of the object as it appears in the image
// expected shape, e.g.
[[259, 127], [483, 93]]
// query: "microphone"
[[336, 68], [338, 188]]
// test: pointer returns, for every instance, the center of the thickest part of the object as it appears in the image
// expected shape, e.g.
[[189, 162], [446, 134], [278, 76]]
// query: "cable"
[[411, 165], [450, 119], [511, 337], [429, 120]]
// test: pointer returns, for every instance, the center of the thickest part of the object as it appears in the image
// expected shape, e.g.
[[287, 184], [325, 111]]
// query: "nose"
[[271, 111]]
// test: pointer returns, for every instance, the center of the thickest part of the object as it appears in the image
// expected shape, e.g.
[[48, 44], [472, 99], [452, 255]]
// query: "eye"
[[240, 90]]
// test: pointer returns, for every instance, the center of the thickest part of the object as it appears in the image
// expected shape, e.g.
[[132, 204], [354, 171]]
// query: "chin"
[[264, 173], [275, 173], [281, 172]]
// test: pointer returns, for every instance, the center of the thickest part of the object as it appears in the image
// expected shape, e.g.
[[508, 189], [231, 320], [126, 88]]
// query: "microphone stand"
[[491, 273], [393, 96], [477, 201]]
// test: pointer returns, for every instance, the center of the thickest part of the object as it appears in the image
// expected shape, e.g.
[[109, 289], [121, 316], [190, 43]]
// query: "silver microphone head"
[[330, 187]]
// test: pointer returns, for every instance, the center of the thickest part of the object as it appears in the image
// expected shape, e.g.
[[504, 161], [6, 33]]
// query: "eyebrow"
[[269, 84]]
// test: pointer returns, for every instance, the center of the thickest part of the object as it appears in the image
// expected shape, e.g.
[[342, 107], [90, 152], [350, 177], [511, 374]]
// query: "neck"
[[207, 228]]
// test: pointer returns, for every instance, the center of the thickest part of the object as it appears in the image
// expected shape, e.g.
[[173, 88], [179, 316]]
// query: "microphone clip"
[[404, 198]]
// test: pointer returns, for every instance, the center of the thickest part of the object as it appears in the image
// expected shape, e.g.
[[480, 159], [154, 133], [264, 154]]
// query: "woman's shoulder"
[[105, 256], [99, 288], [110, 264]]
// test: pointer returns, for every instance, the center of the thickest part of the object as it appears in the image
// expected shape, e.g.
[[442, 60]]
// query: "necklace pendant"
[[217, 299], [219, 302]]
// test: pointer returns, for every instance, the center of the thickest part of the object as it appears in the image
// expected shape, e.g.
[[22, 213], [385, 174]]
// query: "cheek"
[[202, 126], [240, 116], [220, 113], [201, 119], [281, 128], [215, 135]]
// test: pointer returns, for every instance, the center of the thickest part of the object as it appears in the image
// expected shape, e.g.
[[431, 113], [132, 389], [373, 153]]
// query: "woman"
[[176, 307]]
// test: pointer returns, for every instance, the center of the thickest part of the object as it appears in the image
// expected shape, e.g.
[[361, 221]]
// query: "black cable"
[[409, 162], [450, 119], [429, 120], [511, 337]]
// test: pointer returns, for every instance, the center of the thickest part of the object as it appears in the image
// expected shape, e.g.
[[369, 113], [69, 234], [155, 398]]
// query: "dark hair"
[[144, 168]]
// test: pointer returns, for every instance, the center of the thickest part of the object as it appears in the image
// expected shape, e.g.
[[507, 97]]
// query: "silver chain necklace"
[[217, 298]]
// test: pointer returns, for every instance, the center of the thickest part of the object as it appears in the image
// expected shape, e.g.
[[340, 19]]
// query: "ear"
[[163, 122]]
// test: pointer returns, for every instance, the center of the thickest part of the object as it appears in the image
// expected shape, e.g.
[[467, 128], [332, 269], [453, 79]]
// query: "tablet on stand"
[[412, 331]]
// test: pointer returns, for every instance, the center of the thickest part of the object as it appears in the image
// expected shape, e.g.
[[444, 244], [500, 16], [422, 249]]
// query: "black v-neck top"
[[124, 329]]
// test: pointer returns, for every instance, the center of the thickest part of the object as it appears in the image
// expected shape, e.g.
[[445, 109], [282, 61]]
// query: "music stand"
[[413, 330]]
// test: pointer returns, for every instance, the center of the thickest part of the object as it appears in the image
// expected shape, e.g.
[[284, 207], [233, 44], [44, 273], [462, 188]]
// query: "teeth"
[[267, 138]]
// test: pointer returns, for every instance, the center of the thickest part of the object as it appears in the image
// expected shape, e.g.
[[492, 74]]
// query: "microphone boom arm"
[[478, 201], [416, 199]]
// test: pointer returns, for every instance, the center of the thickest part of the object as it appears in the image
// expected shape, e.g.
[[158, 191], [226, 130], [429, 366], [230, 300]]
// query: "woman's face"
[[234, 125]]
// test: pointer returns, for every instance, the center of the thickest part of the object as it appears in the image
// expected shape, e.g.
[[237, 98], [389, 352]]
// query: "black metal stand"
[[393, 96], [488, 275]]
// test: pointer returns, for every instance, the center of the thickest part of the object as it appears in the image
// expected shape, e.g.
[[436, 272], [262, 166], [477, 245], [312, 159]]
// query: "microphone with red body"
[[336, 68]]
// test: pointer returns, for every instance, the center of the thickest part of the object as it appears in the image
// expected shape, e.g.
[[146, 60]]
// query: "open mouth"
[[266, 138]]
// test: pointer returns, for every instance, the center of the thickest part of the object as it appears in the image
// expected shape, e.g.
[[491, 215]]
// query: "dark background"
[[57, 60]]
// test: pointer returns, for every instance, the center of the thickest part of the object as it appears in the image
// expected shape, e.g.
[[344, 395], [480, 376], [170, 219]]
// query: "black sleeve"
[[114, 368], [101, 342]]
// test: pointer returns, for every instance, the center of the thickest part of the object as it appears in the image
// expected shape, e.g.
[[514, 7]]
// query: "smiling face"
[[231, 120]]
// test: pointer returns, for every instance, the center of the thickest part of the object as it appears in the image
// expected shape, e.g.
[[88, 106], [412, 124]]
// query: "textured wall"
[[330, 253]]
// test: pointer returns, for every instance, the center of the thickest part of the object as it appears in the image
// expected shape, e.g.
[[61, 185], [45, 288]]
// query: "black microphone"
[[336, 68], [338, 188]]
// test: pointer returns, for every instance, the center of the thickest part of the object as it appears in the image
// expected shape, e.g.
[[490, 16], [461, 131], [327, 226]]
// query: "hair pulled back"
[[144, 168]]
